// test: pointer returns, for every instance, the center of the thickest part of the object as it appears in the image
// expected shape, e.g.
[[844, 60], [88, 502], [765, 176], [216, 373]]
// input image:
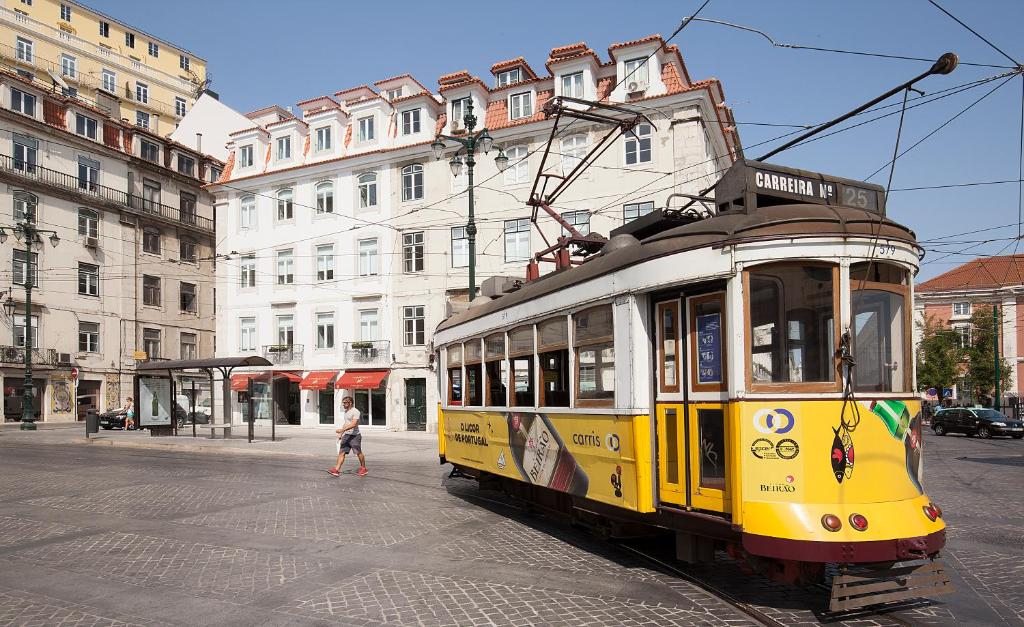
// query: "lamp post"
[[26, 232], [465, 155]]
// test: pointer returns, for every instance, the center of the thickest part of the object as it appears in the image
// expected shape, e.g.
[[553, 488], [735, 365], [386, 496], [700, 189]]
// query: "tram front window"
[[880, 293], [792, 328]]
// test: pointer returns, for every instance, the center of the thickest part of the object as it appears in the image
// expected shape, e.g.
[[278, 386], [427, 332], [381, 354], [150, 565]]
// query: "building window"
[[286, 330], [412, 252], [508, 77], [323, 138], [459, 108], [574, 148], [109, 81], [520, 105], [188, 346], [141, 92], [187, 249], [151, 291], [68, 65], [367, 190], [88, 279], [412, 182], [245, 156], [284, 148], [366, 129], [21, 266], [129, 40], [518, 170], [65, 12], [215, 173], [636, 73], [186, 165], [25, 207], [154, 49], [88, 337], [187, 298], [325, 197], [517, 240], [23, 50], [23, 102], [580, 220], [368, 325], [325, 330], [19, 330], [634, 210], [285, 267], [415, 326], [183, 62], [88, 223], [460, 247], [151, 343], [25, 151], [394, 94], [142, 119], [88, 173], [247, 334], [284, 205], [368, 264], [247, 213], [150, 195], [149, 150], [179, 106], [247, 271], [638, 145], [151, 241], [962, 309], [325, 262], [572, 85], [963, 335], [410, 122], [104, 29]]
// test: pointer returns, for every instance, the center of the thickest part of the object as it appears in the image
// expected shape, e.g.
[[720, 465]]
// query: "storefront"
[[368, 394], [319, 386]]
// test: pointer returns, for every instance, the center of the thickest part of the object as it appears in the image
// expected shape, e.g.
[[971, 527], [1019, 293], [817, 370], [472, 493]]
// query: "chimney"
[[199, 142]]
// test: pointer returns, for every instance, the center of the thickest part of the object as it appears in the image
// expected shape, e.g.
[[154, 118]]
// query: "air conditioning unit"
[[63, 359], [92, 242], [456, 125], [636, 86]]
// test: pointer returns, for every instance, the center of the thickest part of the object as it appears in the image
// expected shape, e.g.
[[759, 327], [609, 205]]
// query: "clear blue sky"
[[261, 53]]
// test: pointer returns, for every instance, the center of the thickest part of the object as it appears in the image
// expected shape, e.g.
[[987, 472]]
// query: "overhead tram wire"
[[975, 33]]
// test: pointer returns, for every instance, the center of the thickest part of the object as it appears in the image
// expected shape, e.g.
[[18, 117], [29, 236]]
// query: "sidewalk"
[[291, 441]]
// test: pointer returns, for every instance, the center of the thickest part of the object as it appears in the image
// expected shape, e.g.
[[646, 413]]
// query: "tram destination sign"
[[821, 191], [764, 184]]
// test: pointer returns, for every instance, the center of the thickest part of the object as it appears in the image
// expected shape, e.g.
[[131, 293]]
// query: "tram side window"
[[792, 323], [474, 373], [880, 293], [553, 351], [497, 370], [455, 374], [593, 339], [520, 350], [668, 346]]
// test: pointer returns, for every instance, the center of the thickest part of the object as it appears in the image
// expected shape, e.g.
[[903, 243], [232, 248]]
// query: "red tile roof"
[[497, 112], [980, 273], [326, 101], [636, 42], [519, 62], [395, 78], [229, 165]]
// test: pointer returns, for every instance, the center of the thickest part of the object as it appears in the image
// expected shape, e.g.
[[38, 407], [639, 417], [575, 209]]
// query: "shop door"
[[416, 404]]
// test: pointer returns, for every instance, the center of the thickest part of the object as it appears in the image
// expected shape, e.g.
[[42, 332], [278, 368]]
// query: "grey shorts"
[[350, 442]]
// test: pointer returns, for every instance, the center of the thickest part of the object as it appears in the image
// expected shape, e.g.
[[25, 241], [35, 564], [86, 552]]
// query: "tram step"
[[865, 587]]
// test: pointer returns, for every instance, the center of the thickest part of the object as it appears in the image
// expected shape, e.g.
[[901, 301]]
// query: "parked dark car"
[[113, 419], [978, 421]]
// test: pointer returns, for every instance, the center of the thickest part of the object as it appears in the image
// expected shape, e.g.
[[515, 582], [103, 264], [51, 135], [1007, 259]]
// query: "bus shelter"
[[159, 397]]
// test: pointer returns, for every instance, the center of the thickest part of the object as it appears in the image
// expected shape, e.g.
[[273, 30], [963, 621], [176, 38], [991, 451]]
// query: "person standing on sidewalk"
[[129, 415], [349, 439]]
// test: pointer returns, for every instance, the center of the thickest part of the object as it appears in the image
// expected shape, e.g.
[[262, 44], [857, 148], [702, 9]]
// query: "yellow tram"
[[744, 379]]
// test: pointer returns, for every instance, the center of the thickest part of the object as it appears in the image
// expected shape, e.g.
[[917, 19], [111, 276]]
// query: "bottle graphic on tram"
[[541, 456]]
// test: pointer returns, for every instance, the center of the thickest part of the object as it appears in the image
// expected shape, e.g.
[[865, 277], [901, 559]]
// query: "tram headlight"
[[831, 522], [859, 522]]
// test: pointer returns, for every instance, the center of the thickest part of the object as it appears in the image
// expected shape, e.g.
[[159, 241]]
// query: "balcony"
[[283, 354], [16, 356], [71, 183], [364, 354]]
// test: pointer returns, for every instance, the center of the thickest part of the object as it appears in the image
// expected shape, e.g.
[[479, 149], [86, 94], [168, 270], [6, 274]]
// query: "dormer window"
[[366, 129], [509, 77], [410, 122], [636, 74], [572, 85], [149, 151], [23, 102], [186, 165], [520, 105], [245, 156], [284, 148], [459, 108], [323, 138], [85, 126], [394, 94]]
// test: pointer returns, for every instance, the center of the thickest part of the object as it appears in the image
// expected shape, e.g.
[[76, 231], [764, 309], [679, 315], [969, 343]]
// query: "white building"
[[347, 239]]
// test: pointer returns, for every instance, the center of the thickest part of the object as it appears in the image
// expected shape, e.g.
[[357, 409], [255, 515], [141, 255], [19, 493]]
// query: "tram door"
[[691, 404]]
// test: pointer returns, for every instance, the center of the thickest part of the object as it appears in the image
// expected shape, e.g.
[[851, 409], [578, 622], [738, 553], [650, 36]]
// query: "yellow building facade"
[[133, 75]]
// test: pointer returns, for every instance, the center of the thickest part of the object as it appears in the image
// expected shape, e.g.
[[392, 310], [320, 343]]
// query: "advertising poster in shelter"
[[154, 407]]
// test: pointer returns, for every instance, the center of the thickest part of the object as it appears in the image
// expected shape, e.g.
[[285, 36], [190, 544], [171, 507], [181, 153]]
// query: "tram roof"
[[767, 223]]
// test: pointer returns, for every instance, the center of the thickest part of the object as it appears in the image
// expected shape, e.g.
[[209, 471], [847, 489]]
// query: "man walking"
[[349, 439]]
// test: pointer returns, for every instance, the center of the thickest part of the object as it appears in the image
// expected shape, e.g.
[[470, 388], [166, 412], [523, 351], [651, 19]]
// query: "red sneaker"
[[362, 471], [332, 472]]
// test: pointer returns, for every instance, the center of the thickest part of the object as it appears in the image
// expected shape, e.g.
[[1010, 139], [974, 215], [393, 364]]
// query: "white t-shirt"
[[350, 415]]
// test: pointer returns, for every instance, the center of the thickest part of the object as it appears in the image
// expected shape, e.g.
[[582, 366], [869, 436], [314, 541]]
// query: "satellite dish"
[[58, 81]]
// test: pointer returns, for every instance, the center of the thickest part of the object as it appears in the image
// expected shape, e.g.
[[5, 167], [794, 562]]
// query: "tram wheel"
[[984, 432], [939, 430]]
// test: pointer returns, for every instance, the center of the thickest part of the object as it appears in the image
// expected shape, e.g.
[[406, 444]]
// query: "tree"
[[981, 368], [939, 355]]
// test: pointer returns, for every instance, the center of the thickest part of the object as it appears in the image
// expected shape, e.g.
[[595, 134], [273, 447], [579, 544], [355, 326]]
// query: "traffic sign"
[[74, 373]]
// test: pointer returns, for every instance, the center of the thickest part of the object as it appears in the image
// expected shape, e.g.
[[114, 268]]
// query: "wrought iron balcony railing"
[[367, 353], [40, 356], [282, 354]]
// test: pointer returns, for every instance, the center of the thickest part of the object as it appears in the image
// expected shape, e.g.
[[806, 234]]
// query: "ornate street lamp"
[[463, 156]]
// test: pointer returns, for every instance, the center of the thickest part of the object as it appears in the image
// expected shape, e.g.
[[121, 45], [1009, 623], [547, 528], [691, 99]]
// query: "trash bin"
[[92, 421]]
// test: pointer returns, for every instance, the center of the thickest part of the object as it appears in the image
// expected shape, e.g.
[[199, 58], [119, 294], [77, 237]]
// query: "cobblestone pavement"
[[107, 536]]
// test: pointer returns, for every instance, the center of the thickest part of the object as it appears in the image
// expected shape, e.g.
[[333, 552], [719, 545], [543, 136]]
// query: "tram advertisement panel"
[[821, 452], [588, 456]]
